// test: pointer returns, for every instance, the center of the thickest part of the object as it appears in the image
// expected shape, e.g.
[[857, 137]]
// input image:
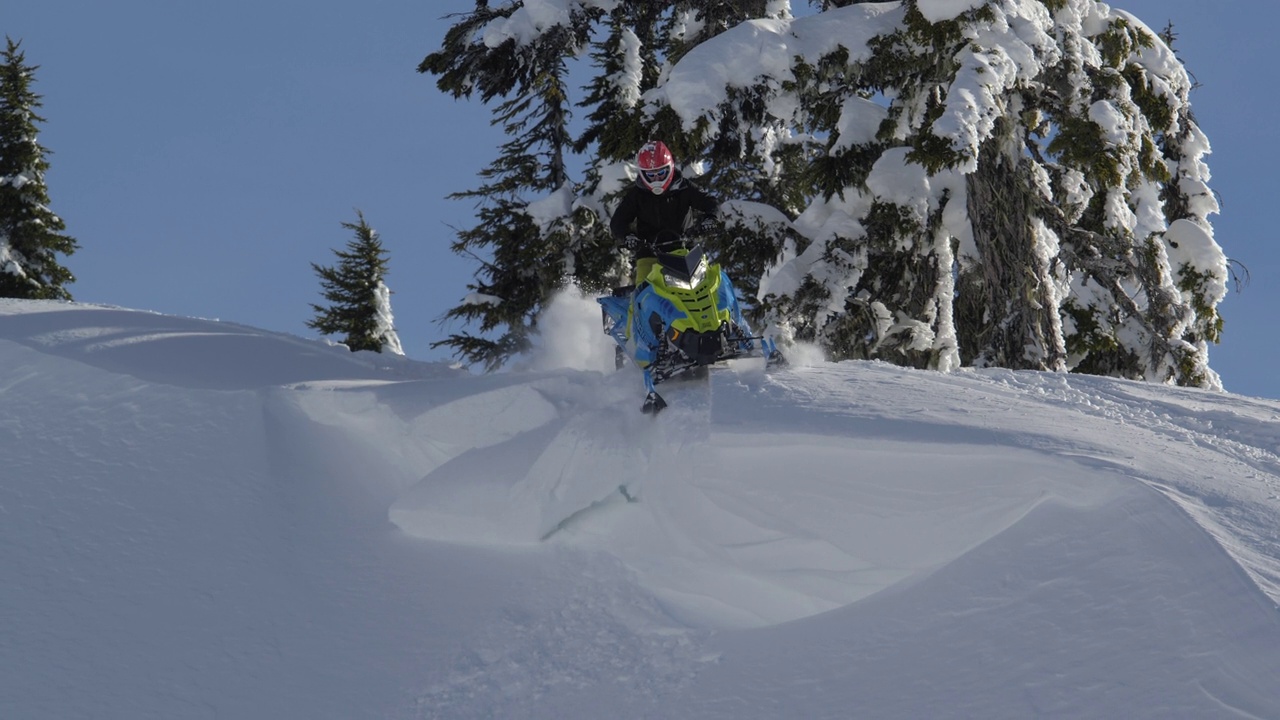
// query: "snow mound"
[[203, 518]]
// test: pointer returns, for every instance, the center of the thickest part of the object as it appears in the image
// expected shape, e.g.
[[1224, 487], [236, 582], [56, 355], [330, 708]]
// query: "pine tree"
[[1151, 275], [360, 302], [999, 183], [526, 263], [748, 154], [626, 62], [541, 230], [1029, 193], [30, 233], [627, 66]]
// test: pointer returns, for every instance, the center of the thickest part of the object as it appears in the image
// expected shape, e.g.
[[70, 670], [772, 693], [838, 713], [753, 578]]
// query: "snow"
[[535, 17], [942, 10], [1194, 245], [546, 211], [754, 214], [8, 263], [895, 179], [631, 76], [528, 22], [205, 519], [476, 298], [17, 181], [738, 58], [386, 327], [859, 122], [1006, 53]]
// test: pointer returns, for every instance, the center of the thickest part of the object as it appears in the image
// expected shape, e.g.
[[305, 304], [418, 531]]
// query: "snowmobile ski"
[[653, 403]]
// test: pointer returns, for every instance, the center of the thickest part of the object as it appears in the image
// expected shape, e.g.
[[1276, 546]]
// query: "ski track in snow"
[[205, 519]]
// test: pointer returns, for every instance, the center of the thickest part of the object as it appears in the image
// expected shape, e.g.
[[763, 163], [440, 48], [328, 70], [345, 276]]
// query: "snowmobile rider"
[[660, 206]]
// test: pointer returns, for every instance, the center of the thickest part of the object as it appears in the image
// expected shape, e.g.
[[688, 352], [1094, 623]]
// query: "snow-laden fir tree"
[[626, 66], [519, 57], [752, 158], [31, 235], [539, 227], [1015, 183], [359, 306]]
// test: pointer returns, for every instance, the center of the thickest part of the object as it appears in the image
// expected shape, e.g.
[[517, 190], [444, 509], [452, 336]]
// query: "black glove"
[[630, 242], [705, 225]]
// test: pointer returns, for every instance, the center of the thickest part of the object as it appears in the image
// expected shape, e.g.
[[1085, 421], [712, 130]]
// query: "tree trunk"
[[1020, 328]]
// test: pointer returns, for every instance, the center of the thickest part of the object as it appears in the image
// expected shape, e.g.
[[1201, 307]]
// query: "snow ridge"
[[204, 515]]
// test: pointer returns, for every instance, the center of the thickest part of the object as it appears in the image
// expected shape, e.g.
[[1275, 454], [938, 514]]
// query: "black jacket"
[[663, 214]]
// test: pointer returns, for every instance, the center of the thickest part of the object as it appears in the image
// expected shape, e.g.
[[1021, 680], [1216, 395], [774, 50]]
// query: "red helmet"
[[657, 167]]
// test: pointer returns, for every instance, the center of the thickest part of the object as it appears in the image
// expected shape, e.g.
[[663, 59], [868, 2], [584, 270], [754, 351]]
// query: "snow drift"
[[203, 519]]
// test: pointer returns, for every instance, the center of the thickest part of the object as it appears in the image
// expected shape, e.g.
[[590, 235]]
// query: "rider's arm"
[[703, 210], [703, 202], [628, 210]]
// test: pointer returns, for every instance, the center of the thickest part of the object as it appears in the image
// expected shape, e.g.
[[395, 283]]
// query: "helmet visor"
[[659, 175]]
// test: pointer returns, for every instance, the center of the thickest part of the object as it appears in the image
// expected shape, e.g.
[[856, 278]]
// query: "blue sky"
[[205, 154]]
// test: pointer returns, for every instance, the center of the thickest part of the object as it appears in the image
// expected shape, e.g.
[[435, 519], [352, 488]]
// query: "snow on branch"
[[758, 49], [535, 17]]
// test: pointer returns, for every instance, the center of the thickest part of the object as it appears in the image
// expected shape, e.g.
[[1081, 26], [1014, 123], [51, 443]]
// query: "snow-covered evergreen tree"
[[1005, 182], [538, 233], [1014, 183], [359, 301], [517, 54], [1147, 273], [746, 151], [626, 65], [30, 233]]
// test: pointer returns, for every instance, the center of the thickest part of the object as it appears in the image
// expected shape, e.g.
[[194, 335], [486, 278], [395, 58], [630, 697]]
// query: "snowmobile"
[[681, 318]]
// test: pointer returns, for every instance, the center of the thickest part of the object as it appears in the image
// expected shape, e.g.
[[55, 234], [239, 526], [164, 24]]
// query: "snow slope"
[[201, 519]]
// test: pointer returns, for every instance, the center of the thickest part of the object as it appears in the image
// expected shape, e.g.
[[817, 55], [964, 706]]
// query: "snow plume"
[[570, 334], [805, 355]]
